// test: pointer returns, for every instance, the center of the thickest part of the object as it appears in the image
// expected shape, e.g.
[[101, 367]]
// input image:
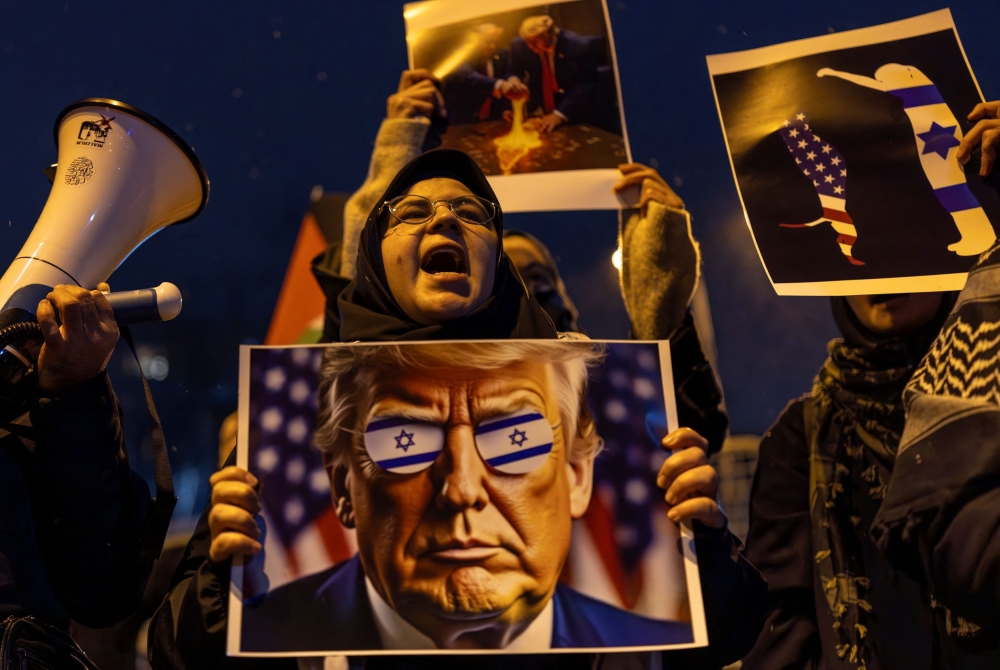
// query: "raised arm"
[[90, 507], [399, 140], [867, 82], [734, 593]]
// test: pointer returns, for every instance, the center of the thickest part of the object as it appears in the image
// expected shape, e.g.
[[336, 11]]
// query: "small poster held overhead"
[[461, 497], [844, 149], [532, 94]]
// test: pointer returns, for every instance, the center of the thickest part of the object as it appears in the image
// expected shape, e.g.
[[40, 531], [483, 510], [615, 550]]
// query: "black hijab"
[[368, 310]]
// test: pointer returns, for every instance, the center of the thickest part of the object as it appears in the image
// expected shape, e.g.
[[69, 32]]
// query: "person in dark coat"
[[386, 304], [559, 68], [821, 480], [940, 519], [72, 511], [478, 88]]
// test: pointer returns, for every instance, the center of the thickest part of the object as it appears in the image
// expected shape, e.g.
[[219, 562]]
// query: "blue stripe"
[[520, 455], [391, 422], [956, 198], [403, 461], [507, 423], [918, 96]]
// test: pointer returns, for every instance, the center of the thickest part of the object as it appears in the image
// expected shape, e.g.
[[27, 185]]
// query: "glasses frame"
[[390, 205]]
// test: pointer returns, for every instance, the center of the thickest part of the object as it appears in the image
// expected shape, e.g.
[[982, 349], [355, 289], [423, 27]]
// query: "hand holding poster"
[[532, 94], [467, 475], [844, 148]]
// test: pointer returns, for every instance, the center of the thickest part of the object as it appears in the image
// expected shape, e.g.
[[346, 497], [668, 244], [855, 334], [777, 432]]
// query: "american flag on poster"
[[626, 527], [826, 168], [625, 534], [302, 527]]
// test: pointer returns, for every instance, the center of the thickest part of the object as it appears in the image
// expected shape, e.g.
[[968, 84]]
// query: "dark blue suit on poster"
[[469, 86], [330, 611], [576, 63]]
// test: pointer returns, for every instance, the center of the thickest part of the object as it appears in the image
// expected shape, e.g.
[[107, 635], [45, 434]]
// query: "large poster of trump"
[[848, 157], [461, 497], [532, 94]]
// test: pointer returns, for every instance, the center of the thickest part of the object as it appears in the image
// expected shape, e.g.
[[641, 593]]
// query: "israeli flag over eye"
[[516, 443], [403, 446]]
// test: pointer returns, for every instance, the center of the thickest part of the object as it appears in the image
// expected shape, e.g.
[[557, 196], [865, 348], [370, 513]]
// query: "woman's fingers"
[[679, 462], [418, 106], [410, 77], [973, 137], [632, 168], [233, 473], [235, 503], [239, 494], [635, 177], [991, 146], [653, 191], [682, 438], [694, 483], [227, 545], [984, 109], [702, 509], [229, 518]]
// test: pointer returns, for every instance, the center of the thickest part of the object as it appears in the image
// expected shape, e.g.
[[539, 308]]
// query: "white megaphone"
[[121, 176]]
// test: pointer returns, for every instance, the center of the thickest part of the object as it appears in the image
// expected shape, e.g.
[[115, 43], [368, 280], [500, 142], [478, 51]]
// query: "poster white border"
[[691, 573], [549, 191]]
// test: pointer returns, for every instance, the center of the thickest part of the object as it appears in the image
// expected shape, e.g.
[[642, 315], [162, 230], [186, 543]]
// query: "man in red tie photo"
[[560, 68]]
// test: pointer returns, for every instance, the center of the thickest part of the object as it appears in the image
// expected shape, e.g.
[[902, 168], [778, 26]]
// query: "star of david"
[[518, 437], [939, 140], [404, 440]]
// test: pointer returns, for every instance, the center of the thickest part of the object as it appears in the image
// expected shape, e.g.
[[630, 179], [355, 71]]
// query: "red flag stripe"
[[837, 215]]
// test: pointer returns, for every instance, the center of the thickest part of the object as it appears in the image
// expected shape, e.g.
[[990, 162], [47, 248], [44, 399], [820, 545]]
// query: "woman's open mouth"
[[445, 260]]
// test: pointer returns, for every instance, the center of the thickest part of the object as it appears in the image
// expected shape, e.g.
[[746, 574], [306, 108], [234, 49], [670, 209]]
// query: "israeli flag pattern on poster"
[[515, 443], [402, 445]]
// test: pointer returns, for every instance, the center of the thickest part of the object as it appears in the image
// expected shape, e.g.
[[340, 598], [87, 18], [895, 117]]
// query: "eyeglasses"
[[416, 209], [514, 444]]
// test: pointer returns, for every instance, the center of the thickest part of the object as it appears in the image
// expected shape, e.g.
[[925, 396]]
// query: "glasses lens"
[[402, 445], [473, 210], [412, 209], [516, 443]]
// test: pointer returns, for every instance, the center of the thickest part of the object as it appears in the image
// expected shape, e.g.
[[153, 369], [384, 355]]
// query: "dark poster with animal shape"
[[844, 152]]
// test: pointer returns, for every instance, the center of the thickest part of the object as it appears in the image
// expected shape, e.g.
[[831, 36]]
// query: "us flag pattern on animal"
[[826, 168]]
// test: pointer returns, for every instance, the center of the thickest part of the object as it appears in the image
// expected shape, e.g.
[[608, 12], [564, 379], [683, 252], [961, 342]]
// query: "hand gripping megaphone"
[[121, 176]]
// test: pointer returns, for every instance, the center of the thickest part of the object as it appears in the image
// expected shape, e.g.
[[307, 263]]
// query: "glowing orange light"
[[519, 142]]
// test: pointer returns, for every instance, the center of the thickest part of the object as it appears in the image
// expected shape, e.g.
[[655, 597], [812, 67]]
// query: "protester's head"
[[538, 269], [538, 31], [462, 467], [895, 314], [439, 249], [431, 261], [489, 35]]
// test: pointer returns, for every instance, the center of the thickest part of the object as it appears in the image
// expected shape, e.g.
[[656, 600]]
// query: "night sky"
[[278, 97]]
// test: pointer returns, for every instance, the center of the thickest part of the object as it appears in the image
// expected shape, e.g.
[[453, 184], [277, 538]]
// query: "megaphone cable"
[[19, 332]]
